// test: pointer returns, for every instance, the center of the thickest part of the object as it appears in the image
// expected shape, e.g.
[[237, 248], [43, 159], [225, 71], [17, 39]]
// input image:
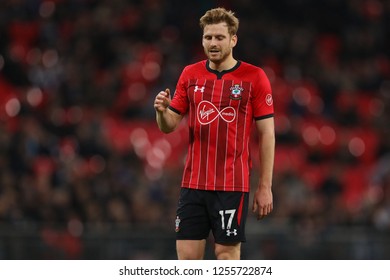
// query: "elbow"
[[167, 129]]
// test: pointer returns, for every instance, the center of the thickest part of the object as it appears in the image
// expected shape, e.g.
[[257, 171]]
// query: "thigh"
[[228, 212], [192, 221]]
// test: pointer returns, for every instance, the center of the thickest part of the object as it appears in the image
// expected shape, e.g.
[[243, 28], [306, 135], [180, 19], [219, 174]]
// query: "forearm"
[[266, 155], [166, 121], [263, 201]]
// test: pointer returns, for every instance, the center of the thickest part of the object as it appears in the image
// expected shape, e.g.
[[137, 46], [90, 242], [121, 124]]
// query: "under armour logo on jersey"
[[207, 113], [201, 89], [229, 232]]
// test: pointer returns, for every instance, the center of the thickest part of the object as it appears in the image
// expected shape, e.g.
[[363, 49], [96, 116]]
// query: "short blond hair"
[[218, 15]]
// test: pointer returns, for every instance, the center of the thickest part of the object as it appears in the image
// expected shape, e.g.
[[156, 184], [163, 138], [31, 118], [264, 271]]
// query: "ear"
[[234, 40]]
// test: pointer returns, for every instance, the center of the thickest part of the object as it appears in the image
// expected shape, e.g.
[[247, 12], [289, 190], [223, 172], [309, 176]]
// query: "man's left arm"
[[263, 200]]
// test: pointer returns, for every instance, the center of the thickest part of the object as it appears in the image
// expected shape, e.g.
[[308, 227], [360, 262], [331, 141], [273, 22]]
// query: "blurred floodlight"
[[302, 96], [140, 141], [327, 135], [311, 135], [356, 146], [50, 58], [34, 56], [151, 71], [136, 91], [34, 96], [12, 107], [46, 9]]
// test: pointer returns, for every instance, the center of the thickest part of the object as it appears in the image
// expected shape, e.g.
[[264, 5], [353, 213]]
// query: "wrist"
[[264, 186]]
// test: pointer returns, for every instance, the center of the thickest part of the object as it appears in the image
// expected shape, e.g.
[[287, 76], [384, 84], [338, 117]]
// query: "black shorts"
[[224, 213]]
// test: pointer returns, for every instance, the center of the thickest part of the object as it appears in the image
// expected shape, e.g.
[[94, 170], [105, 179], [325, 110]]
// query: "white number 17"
[[229, 212]]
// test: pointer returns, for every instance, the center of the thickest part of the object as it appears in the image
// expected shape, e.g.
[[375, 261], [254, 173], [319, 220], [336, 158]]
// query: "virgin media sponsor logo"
[[207, 113]]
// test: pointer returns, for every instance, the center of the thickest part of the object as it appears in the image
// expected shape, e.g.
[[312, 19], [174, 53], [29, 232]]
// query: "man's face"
[[217, 42]]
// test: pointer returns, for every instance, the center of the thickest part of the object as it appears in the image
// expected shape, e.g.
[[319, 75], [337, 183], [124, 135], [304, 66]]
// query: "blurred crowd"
[[79, 148]]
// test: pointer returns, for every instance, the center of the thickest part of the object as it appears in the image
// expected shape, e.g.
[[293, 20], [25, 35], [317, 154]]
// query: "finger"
[[166, 94], [254, 207], [162, 95], [162, 100], [159, 101], [157, 106], [259, 216], [263, 212], [269, 208]]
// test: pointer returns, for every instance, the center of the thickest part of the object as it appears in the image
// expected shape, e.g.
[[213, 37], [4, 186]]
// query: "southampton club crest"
[[177, 224], [235, 92]]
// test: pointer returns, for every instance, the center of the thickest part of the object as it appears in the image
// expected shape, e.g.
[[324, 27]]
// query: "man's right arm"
[[167, 120]]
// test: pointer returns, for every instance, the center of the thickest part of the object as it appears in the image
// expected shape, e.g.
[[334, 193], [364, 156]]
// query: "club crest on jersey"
[[268, 99], [177, 224], [235, 92]]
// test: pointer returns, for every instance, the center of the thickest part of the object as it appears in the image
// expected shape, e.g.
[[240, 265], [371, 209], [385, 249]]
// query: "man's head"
[[219, 36], [219, 15]]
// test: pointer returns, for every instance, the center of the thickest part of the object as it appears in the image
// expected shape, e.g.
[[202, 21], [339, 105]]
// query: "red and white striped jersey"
[[221, 107]]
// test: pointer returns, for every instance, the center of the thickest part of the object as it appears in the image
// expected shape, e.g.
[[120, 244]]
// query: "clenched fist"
[[162, 100]]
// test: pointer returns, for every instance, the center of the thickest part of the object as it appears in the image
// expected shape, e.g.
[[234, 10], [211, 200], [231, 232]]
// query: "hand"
[[162, 100], [262, 202]]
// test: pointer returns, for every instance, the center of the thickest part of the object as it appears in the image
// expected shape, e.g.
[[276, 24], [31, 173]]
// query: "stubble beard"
[[222, 56]]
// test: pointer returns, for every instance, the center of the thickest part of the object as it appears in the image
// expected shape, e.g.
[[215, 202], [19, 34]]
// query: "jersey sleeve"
[[262, 101], [180, 102]]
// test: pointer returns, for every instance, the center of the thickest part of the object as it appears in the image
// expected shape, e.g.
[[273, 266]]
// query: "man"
[[221, 96]]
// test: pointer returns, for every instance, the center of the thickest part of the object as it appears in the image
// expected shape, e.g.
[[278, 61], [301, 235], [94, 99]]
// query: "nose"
[[213, 42]]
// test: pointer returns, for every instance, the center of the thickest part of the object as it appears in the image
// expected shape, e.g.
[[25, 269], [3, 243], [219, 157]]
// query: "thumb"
[[168, 92]]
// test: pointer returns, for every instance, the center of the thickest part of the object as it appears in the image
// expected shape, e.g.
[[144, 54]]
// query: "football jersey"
[[221, 107]]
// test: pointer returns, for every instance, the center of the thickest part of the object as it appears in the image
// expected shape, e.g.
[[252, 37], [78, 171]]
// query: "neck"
[[223, 65]]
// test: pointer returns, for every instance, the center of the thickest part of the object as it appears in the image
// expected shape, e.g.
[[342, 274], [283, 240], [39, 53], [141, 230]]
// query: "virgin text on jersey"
[[207, 113]]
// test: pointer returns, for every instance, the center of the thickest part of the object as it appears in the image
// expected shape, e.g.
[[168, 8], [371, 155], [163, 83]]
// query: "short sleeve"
[[180, 102], [262, 101]]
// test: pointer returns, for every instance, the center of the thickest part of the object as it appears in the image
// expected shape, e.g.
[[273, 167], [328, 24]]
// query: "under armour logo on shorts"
[[229, 232]]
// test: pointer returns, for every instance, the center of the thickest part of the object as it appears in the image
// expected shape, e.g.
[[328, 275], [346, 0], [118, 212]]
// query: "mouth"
[[213, 51]]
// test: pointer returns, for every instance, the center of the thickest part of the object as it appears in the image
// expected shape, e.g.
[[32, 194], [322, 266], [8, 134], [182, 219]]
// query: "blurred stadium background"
[[85, 173]]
